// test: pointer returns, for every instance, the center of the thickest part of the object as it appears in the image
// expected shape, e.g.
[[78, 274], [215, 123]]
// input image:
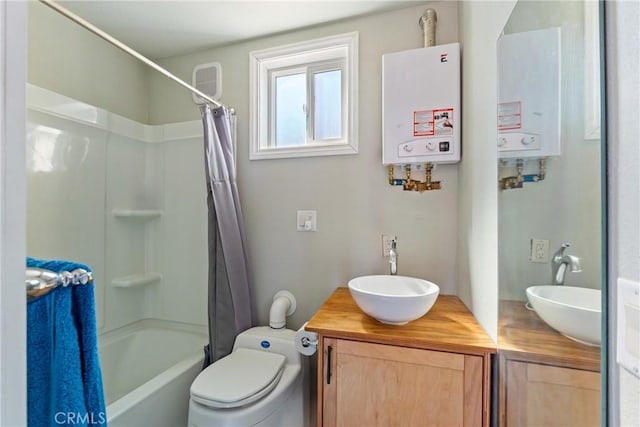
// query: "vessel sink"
[[573, 311], [395, 300]]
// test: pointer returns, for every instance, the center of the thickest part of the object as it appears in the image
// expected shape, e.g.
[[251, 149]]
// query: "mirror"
[[550, 215]]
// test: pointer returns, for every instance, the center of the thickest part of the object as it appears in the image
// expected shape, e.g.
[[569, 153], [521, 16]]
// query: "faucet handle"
[[560, 252], [574, 264]]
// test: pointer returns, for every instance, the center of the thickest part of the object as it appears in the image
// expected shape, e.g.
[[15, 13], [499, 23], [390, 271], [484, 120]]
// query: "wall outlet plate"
[[386, 243], [539, 251]]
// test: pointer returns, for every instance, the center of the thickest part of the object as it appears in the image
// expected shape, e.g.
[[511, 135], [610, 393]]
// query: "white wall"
[[623, 133], [13, 358], [67, 59], [355, 204], [566, 206], [477, 252]]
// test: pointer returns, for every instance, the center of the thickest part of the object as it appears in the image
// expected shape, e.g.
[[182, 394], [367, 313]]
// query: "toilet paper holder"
[[308, 342]]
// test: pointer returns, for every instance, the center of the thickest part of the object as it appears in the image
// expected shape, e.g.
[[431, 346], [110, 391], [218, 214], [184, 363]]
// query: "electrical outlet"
[[386, 243], [539, 251]]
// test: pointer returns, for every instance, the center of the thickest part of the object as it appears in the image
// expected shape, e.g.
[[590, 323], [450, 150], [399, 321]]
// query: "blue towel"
[[64, 381]]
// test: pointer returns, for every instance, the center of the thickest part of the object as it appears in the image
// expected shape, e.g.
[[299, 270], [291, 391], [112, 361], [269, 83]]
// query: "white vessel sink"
[[574, 312], [395, 300]]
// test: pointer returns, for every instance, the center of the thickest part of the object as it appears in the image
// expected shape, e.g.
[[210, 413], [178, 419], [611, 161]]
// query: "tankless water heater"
[[529, 88], [421, 105]]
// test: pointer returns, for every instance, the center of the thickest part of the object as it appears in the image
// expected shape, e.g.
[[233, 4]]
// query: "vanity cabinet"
[[546, 379], [367, 384], [432, 371], [542, 395]]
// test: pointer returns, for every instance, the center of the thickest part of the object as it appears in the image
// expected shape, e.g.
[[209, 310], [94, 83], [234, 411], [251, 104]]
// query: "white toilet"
[[263, 382]]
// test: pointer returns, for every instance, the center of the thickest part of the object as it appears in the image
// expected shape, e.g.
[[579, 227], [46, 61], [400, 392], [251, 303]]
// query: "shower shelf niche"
[[136, 280], [137, 214]]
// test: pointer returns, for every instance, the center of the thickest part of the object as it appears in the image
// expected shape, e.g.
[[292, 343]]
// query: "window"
[[304, 99]]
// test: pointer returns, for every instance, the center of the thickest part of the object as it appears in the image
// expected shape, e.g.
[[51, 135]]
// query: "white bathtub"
[[147, 370]]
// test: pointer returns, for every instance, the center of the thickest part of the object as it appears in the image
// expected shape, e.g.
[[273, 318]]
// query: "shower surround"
[[128, 199]]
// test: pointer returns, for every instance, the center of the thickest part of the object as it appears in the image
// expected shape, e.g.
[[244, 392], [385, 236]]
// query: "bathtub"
[[147, 370]]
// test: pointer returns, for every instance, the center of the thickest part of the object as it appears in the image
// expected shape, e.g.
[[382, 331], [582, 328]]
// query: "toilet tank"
[[264, 338]]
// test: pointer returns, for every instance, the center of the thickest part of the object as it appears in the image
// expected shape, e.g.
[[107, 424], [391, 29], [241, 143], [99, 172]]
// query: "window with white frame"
[[304, 99]]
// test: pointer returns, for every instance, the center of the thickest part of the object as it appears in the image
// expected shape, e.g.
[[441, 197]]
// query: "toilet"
[[263, 382]]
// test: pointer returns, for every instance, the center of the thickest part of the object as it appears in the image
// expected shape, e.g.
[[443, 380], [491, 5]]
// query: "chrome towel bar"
[[40, 281]]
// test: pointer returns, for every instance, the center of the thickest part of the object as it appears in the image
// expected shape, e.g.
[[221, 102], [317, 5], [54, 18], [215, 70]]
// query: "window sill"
[[312, 150]]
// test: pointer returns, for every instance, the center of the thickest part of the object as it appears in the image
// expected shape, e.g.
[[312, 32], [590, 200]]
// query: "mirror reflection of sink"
[[395, 300], [573, 311]]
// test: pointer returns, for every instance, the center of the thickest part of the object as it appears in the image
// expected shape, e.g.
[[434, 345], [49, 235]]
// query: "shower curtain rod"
[[117, 43]]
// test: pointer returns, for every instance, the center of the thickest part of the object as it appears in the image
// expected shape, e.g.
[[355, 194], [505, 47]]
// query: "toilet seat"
[[238, 379]]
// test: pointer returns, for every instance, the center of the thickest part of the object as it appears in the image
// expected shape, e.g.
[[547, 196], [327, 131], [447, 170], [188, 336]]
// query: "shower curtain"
[[229, 303]]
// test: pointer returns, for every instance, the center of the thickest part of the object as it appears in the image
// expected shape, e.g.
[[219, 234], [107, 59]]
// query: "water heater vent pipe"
[[428, 22]]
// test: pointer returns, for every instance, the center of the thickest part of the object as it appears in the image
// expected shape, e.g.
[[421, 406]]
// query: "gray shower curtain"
[[230, 306]]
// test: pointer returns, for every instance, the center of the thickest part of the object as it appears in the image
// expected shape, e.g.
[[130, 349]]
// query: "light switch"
[[306, 221]]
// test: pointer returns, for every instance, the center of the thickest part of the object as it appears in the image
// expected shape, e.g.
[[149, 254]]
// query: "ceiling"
[[160, 28]]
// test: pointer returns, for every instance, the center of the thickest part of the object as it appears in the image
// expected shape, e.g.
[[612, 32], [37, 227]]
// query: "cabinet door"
[[380, 385], [541, 395]]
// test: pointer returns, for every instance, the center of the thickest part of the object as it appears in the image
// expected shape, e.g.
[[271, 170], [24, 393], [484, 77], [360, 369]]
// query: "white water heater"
[[529, 88], [421, 105]]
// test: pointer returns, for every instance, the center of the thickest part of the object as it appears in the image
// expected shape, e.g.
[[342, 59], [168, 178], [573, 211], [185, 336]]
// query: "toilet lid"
[[238, 379]]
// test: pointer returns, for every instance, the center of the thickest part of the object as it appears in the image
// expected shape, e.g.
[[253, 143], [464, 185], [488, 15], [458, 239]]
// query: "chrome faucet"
[[560, 262], [393, 258]]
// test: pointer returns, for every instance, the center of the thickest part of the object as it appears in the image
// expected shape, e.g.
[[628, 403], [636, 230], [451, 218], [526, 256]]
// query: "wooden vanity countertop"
[[448, 326], [523, 336]]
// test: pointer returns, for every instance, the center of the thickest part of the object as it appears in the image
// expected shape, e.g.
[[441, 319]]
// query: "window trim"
[[307, 54]]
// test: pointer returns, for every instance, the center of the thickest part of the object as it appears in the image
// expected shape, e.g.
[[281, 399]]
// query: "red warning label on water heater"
[[509, 115], [433, 122]]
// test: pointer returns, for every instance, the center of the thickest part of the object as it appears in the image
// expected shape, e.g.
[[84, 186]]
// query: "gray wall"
[[355, 204], [69, 60], [477, 252], [566, 206], [448, 236]]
